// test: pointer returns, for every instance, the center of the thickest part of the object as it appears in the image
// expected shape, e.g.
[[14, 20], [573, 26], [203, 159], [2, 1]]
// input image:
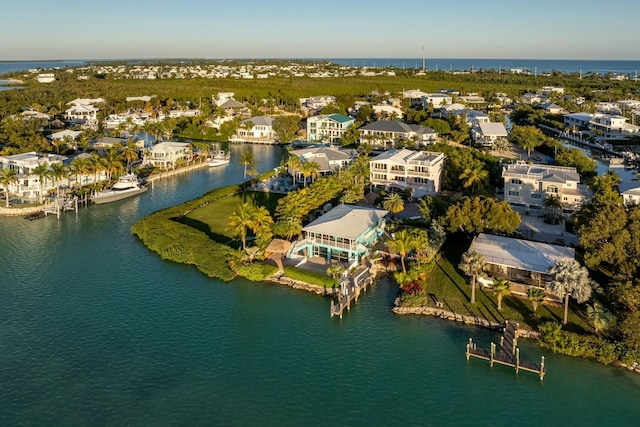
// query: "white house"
[[28, 185], [330, 159], [475, 117], [418, 171], [257, 129], [436, 99], [529, 185], [384, 132], [630, 192], [316, 103], [579, 120], [488, 133], [453, 109], [45, 78], [166, 154], [329, 128], [612, 126], [82, 114]]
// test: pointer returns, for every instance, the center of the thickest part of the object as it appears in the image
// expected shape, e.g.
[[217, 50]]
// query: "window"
[[514, 193], [516, 181], [536, 196], [552, 189]]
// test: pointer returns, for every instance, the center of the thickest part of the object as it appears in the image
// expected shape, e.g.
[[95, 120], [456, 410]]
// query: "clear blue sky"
[[114, 29]]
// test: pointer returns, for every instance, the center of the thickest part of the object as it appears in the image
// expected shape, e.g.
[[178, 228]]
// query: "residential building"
[[315, 104], [523, 263], [612, 126], [385, 110], [329, 128], [579, 120], [474, 117], [415, 96], [418, 171], [330, 159], [346, 233], [28, 185], [257, 129], [552, 108], [528, 185], [46, 78], [232, 107], [166, 154], [630, 192], [82, 114], [391, 132], [487, 134], [452, 109], [437, 100]]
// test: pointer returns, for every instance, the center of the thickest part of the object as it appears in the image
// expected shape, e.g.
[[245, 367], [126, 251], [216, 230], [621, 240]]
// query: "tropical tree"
[[569, 279], [502, 288], [473, 264], [293, 163], [42, 171], [393, 203], [599, 316], [248, 162], [80, 166], [474, 177], [240, 221], [335, 271], [401, 244], [57, 172], [501, 145], [129, 153], [536, 296], [287, 128], [261, 223], [527, 137], [310, 170], [97, 165], [7, 178]]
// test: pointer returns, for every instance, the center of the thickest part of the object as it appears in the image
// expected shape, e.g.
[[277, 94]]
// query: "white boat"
[[220, 158], [127, 186]]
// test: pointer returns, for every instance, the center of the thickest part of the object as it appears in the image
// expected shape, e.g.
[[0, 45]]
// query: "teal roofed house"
[[327, 128], [346, 233]]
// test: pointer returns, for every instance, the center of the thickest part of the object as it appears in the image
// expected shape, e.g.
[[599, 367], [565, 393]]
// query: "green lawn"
[[213, 217], [446, 283]]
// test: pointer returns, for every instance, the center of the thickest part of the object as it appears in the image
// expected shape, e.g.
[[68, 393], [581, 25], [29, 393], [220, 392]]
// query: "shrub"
[[308, 276], [552, 336]]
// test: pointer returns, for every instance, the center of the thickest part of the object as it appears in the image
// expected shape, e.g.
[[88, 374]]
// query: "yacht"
[[126, 186], [220, 158]]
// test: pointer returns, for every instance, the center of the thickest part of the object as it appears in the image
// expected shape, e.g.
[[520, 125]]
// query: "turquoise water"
[[97, 330]]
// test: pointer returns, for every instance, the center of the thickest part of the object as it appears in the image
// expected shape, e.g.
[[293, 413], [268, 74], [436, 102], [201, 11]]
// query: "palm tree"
[[569, 279], [599, 316], [261, 222], [293, 163], [7, 178], [80, 166], [502, 288], [474, 176], [240, 220], [536, 296], [501, 145], [473, 264], [310, 170], [335, 271], [112, 162], [248, 162], [129, 153], [393, 203], [402, 244], [552, 203], [58, 171], [42, 171]]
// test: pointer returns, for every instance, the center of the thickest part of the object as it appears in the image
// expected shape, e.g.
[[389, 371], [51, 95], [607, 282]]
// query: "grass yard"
[[212, 218], [447, 284]]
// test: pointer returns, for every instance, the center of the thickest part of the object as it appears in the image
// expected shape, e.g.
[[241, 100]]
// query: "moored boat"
[[220, 158], [126, 186]]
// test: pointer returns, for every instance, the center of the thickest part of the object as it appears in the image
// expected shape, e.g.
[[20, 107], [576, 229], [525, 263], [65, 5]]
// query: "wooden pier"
[[349, 289], [509, 353]]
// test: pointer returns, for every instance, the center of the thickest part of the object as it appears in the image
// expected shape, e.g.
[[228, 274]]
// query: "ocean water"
[[97, 330], [627, 67]]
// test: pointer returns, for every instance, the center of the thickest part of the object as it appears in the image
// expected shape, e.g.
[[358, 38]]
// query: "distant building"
[[391, 132], [418, 171], [486, 134], [166, 154], [45, 78], [28, 185], [330, 159], [257, 129], [327, 128]]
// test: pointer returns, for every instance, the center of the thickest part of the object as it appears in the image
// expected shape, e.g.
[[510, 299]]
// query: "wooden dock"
[[349, 289], [508, 354]]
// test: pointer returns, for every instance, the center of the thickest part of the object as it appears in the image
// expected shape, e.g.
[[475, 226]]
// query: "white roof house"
[[166, 154], [257, 130], [383, 132], [419, 171], [67, 133], [630, 192], [28, 186], [86, 101], [330, 159], [488, 133]]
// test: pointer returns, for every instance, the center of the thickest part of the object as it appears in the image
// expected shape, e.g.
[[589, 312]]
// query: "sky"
[[217, 29]]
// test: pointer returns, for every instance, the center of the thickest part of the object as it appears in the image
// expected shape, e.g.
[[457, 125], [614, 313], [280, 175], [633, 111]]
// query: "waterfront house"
[[329, 128], [166, 154], [418, 171], [257, 130], [390, 132], [579, 120], [330, 159], [612, 126], [528, 185], [486, 134], [523, 263], [345, 233], [28, 185], [630, 192], [82, 115]]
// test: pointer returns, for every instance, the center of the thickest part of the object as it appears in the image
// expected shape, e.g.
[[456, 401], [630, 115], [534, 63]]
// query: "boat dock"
[[509, 353], [55, 207], [349, 289]]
